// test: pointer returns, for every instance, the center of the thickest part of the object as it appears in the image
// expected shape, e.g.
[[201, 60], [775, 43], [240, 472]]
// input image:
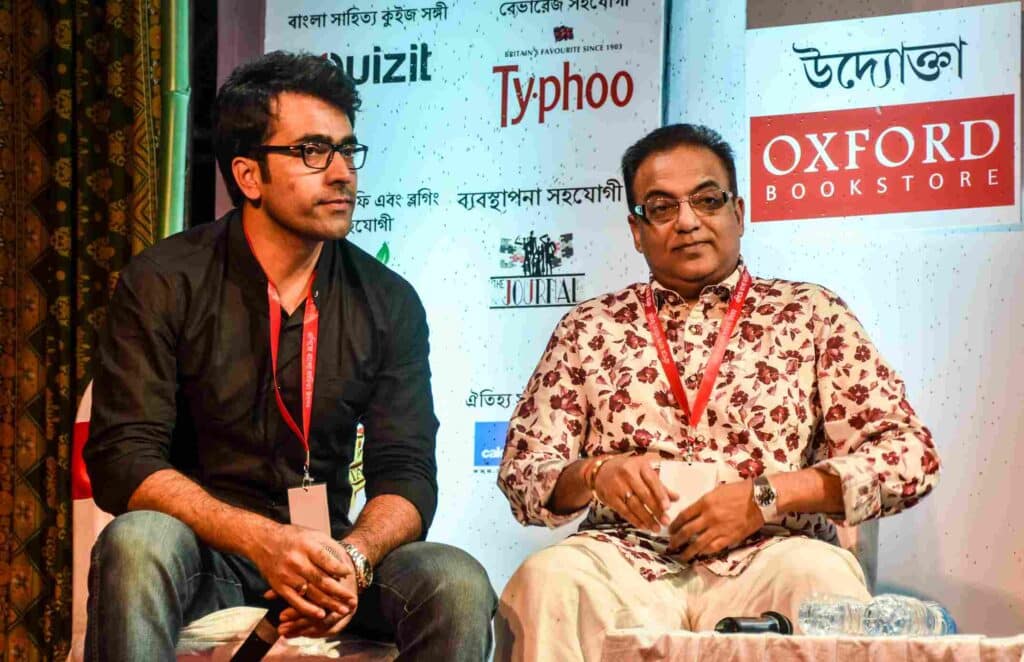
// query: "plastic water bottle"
[[891, 615], [822, 613]]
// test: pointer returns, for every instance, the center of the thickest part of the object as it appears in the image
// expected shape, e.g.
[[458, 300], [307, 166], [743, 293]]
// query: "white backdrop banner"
[[492, 183], [907, 120]]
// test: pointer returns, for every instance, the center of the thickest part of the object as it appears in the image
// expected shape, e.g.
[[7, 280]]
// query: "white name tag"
[[689, 481], [307, 506]]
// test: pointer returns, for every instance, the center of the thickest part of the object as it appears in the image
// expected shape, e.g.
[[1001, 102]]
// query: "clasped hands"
[[314, 575], [631, 486]]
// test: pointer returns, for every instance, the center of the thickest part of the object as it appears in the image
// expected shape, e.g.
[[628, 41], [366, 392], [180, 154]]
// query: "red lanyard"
[[668, 364], [310, 336]]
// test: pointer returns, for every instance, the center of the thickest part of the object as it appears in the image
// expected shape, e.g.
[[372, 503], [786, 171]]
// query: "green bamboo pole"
[[174, 81]]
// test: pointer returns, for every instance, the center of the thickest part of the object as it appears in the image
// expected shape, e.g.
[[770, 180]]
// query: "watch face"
[[765, 495]]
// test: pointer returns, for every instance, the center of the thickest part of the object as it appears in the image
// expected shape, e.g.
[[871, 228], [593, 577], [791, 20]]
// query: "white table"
[[645, 644]]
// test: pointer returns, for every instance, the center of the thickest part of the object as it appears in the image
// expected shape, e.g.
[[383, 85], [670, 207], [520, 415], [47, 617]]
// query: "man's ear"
[[248, 177], [740, 206]]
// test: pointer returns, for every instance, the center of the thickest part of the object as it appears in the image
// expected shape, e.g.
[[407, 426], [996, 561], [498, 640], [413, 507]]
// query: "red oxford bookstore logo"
[[915, 157], [568, 92]]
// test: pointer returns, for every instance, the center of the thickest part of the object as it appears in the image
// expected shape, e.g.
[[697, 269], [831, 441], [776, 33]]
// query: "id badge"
[[307, 506], [690, 481]]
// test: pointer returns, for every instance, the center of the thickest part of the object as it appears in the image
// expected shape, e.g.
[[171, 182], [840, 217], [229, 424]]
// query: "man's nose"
[[686, 219]]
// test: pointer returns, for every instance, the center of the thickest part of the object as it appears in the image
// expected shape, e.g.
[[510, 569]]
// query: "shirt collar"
[[252, 279], [713, 294]]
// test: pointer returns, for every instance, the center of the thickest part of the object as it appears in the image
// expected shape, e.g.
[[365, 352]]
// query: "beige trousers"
[[561, 600]]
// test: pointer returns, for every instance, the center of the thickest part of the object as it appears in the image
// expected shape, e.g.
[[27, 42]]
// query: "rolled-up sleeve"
[[134, 378], [401, 428], [873, 440], [547, 430]]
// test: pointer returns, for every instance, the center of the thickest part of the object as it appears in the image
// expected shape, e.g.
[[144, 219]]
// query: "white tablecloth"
[[642, 644]]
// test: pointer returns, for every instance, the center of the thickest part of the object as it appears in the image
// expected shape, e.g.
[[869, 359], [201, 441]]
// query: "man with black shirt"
[[237, 360]]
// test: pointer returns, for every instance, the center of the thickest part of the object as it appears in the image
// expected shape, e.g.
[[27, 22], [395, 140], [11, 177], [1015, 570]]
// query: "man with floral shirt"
[[772, 384]]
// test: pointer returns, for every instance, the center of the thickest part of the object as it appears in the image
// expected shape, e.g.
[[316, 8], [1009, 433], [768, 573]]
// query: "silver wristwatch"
[[766, 499], [364, 571]]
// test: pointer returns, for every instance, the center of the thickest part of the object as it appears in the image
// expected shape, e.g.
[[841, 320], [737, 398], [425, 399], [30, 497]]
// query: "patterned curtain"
[[79, 117]]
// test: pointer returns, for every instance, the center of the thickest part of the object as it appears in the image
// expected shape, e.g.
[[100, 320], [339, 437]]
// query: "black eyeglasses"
[[318, 155], [660, 210]]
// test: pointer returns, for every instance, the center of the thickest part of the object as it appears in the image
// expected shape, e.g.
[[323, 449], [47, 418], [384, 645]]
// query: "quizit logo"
[[378, 67]]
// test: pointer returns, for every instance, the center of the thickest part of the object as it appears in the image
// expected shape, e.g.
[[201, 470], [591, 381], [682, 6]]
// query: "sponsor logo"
[[554, 93], [488, 443], [378, 67], [914, 157], [538, 259], [563, 33]]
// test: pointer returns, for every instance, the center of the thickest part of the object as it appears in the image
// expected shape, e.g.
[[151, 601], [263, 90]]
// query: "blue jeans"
[[151, 575]]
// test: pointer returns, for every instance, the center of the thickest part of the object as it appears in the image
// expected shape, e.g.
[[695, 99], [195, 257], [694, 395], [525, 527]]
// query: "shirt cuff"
[[539, 493], [862, 495], [113, 488]]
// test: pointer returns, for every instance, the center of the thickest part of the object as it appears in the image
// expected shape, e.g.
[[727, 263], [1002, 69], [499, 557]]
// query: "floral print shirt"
[[801, 385]]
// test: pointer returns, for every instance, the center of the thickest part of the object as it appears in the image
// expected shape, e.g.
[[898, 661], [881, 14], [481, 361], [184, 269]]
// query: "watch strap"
[[364, 571]]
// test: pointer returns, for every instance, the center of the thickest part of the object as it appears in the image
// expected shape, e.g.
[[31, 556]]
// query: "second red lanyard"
[[668, 364]]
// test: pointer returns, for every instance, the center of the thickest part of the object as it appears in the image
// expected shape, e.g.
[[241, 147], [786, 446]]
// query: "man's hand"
[[630, 486], [308, 570], [722, 517], [295, 624]]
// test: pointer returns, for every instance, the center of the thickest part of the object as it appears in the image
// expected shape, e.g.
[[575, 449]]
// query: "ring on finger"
[[627, 496], [302, 589]]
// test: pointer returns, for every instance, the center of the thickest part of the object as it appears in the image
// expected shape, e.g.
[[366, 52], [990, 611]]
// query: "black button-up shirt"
[[183, 379]]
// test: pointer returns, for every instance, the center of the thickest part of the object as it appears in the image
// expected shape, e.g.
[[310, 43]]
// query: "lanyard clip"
[[691, 456], [307, 480]]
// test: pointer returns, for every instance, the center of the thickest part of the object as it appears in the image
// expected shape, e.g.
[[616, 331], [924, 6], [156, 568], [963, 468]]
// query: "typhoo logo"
[[539, 286], [568, 92], [378, 67]]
